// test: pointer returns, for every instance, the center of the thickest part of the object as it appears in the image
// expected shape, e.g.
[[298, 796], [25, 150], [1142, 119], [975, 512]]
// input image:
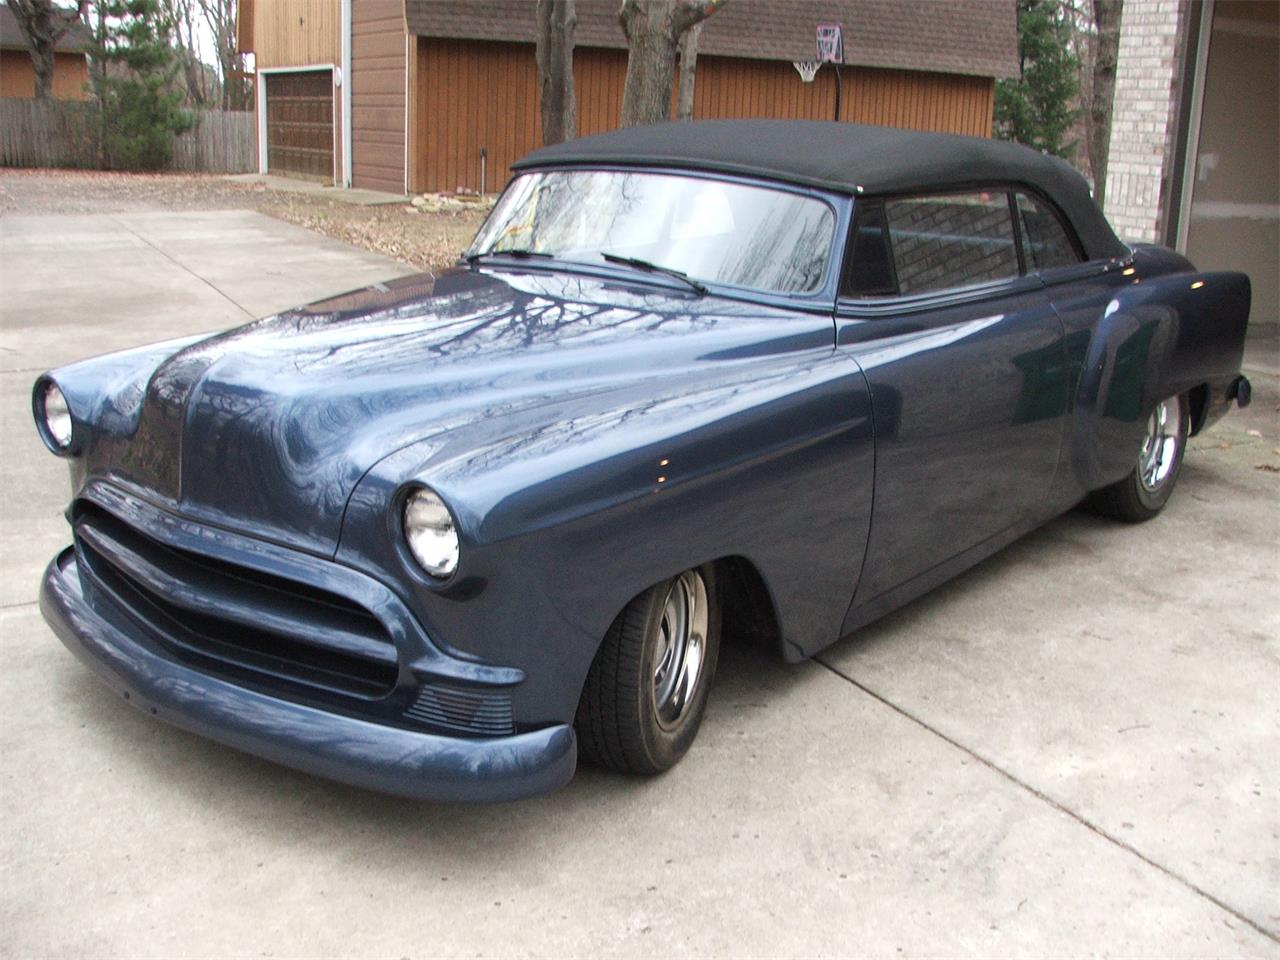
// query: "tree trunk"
[[43, 25], [235, 89], [1106, 15], [688, 69], [556, 22], [98, 66], [653, 29], [42, 65]]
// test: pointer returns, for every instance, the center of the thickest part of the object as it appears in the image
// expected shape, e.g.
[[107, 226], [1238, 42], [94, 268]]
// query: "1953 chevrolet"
[[442, 535]]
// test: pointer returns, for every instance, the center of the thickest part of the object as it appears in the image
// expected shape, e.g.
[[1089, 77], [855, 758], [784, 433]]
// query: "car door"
[[966, 364]]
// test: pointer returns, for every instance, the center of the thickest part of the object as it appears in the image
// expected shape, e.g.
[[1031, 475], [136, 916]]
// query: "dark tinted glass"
[[869, 272], [1044, 241], [954, 240]]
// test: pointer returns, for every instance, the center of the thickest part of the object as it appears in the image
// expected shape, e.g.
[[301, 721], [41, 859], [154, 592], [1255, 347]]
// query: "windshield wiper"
[[519, 253], [656, 268]]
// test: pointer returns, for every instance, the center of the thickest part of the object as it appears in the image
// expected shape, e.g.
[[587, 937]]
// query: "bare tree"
[[653, 29], [186, 32], [688, 66], [220, 16], [211, 20], [1106, 49], [556, 22], [44, 24]]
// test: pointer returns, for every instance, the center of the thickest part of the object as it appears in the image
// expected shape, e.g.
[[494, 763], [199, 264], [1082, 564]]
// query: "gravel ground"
[[424, 239]]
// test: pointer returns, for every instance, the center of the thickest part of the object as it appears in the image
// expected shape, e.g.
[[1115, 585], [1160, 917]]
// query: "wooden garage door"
[[300, 124]]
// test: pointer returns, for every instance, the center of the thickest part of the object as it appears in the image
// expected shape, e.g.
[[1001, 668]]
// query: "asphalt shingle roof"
[[973, 37], [75, 40]]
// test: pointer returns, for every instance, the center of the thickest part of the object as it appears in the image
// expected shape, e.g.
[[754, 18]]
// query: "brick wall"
[[939, 243], [1148, 88]]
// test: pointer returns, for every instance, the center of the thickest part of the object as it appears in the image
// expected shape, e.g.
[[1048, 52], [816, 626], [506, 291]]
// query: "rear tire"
[[1144, 492], [647, 689]]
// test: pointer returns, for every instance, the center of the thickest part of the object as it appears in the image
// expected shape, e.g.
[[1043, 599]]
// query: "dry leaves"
[[426, 240]]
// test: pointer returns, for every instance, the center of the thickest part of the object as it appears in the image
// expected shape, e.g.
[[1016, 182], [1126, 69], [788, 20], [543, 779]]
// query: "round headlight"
[[57, 416], [431, 534]]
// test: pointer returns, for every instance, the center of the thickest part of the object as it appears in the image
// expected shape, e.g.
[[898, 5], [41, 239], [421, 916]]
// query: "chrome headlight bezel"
[[430, 534], [55, 421]]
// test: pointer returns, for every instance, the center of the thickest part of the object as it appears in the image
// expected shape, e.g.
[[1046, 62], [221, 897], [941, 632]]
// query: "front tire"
[[647, 689], [1145, 491]]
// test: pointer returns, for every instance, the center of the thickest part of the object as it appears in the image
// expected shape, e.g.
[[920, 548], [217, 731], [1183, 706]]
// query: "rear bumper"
[[371, 755]]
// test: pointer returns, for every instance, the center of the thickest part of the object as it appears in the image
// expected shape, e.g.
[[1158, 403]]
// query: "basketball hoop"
[[808, 69]]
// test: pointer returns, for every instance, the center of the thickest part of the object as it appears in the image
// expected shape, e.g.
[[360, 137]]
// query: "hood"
[[267, 428]]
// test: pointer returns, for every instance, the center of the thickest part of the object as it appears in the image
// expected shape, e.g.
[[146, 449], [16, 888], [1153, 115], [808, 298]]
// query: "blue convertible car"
[[444, 535]]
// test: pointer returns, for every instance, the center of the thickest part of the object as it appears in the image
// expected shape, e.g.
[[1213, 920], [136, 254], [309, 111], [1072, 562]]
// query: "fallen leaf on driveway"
[[1268, 467]]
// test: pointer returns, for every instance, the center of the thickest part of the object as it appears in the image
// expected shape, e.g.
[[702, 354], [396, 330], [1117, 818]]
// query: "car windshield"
[[711, 230]]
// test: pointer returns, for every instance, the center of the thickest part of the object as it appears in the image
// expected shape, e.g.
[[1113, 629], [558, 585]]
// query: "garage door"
[[300, 124]]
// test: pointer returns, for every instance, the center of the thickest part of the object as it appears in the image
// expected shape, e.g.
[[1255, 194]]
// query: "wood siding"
[[292, 33], [244, 25], [474, 94], [946, 103], [377, 95], [18, 76]]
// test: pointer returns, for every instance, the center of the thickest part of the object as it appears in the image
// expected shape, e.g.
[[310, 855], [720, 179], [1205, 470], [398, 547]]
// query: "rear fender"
[[1157, 337]]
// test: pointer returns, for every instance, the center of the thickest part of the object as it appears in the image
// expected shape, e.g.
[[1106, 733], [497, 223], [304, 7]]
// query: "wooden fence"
[[48, 133], [62, 133], [222, 141]]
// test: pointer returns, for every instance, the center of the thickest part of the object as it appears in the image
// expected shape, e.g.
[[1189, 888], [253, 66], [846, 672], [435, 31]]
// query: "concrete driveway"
[[1073, 749]]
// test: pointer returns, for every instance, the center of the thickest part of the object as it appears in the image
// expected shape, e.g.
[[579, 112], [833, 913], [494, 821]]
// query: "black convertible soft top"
[[846, 157]]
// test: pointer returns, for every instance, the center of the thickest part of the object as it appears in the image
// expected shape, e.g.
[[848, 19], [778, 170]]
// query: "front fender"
[[562, 525]]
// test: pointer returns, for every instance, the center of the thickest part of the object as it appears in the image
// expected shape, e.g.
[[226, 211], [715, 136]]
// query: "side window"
[[1045, 243], [869, 269], [953, 240]]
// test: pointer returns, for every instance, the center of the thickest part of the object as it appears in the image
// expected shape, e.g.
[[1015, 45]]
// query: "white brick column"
[[1148, 71]]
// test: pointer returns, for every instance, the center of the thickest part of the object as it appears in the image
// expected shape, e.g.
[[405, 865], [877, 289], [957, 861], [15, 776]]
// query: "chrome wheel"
[[680, 642], [647, 689], [1145, 490], [1162, 446]]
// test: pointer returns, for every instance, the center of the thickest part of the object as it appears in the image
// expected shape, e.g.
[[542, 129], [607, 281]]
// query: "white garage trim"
[[346, 94], [1193, 125], [262, 107]]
